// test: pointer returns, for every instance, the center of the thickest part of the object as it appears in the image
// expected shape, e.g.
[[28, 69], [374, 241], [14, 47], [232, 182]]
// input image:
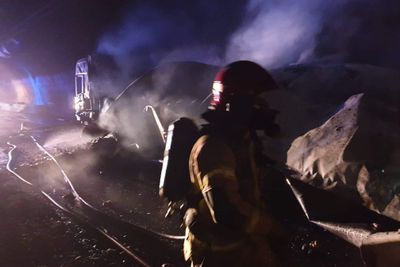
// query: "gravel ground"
[[124, 191]]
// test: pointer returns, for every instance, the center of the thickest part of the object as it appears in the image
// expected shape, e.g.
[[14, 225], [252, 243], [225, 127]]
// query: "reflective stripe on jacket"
[[228, 173]]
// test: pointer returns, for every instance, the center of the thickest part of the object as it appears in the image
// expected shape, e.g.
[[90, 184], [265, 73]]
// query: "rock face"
[[356, 152], [311, 94]]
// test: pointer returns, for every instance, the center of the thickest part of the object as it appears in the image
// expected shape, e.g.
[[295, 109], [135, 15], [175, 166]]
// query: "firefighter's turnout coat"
[[227, 226]]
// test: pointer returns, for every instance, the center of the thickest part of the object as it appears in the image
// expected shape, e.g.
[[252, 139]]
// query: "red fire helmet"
[[240, 78]]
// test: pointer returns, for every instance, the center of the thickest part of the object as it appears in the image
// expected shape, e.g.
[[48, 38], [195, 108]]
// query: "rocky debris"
[[111, 155], [311, 94], [36, 234], [106, 146], [93, 129], [69, 197], [107, 203], [355, 152]]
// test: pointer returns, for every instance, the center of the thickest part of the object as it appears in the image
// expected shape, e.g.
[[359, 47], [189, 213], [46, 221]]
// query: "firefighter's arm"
[[226, 206], [219, 185]]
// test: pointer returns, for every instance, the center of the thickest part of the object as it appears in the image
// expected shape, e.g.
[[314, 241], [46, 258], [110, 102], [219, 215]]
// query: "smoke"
[[277, 33], [273, 33], [174, 90], [128, 118], [67, 139], [8, 47], [362, 32], [180, 30]]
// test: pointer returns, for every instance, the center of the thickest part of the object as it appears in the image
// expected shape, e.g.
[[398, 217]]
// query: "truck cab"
[[87, 104]]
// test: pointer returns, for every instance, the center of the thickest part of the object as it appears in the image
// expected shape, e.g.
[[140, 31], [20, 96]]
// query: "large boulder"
[[356, 152], [311, 94]]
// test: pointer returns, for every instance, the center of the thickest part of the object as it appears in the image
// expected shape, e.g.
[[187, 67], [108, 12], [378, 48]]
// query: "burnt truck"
[[92, 90], [99, 83], [138, 107], [86, 102]]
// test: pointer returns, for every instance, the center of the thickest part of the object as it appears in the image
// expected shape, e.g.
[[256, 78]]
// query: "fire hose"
[[82, 217]]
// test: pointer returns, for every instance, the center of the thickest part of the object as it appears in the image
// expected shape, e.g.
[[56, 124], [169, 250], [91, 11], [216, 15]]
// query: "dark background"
[[53, 34], [50, 35]]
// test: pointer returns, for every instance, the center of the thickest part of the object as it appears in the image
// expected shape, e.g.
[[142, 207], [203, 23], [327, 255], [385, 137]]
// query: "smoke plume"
[[174, 90], [151, 34], [273, 33], [277, 33]]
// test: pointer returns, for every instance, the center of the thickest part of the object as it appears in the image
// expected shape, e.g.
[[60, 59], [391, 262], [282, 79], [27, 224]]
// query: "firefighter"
[[227, 225]]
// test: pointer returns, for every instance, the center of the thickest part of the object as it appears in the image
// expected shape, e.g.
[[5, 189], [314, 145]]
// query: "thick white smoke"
[[174, 90], [149, 36], [279, 32], [273, 33]]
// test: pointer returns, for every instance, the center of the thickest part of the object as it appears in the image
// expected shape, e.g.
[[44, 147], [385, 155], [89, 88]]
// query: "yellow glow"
[[22, 94]]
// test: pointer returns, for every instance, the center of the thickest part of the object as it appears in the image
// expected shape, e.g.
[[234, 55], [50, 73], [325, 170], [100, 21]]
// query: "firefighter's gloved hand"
[[191, 220]]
